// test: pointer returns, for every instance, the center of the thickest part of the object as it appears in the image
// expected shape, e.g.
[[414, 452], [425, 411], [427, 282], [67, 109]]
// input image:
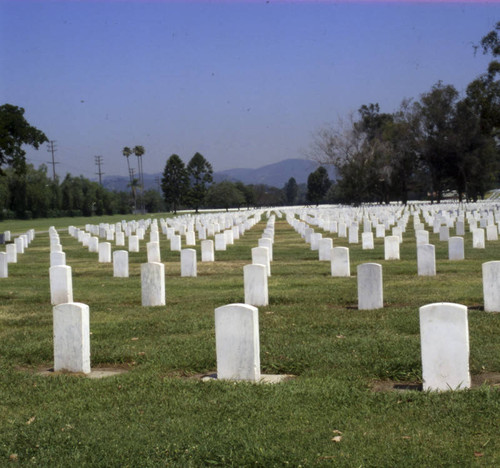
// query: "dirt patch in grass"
[[265, 378], [97, 372], [491, 379]]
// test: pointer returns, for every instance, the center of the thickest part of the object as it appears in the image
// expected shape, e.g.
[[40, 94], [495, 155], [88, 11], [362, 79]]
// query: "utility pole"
[[52, 149], [157, 180], [98, 163]]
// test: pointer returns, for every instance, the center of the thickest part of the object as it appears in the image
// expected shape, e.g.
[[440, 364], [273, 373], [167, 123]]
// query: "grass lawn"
[[156, 414]]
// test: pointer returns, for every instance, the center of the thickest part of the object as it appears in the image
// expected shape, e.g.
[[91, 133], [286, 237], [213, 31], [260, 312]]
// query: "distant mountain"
[[275, 175]]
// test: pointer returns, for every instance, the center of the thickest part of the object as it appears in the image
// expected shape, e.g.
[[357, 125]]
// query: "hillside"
[[276, 175]]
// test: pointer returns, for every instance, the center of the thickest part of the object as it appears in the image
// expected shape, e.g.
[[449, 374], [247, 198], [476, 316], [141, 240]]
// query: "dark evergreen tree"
[[175, 182], [200, 177], [318, 184], [291, 189]]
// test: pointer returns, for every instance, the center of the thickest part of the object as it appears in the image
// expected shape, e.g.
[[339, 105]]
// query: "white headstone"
[[426, 260], [255, 283], [19, 245], [56, 248], [456, 248], [133, 243], [120, 239], [153, 284], [57, 258], [444, 338], [237, 342], [491, 286], [340, 262], [260, 256], [120, 264], [492, 232], [267, 242], [188, 262], [228, 234], [444, 233], [104, 252], [460, 228], [325, 249], [370, 286], [153, 252], [422, 236], [175, 243], [380, 231], [478, 238], [367, 240], [71, 337], [342, 230], [220, 241], [190, 238], [315, 238], [353, 234], [4, 266], [391, 248], [11, 251], [207, 250], [154, 236], [94, 244], [61, 284]]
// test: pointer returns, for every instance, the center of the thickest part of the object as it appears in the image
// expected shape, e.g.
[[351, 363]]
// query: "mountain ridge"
[[274, 174]]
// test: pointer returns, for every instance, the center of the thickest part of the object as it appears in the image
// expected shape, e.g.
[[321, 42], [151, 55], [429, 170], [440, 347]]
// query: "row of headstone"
[[13, 249], [445, 362], [370, 284], [255, 276], [444, 345], [226, 228]]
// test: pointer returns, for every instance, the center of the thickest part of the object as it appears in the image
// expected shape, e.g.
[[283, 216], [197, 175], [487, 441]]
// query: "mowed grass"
[[157, 415]]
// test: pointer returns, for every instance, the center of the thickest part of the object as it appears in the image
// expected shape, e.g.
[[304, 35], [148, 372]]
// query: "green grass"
[[154, 415]]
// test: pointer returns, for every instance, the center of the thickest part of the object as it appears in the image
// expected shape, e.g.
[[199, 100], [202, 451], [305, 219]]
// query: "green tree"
[[30, 191], [247, 192], [291, 190], [15, 132], [122, 200], [437, 110], [359, 154], [175, 182], [200, 176], [402, 138], [265, 195], [4, 197], [153, 201], [318, 184], [491, 45], [224, 195]]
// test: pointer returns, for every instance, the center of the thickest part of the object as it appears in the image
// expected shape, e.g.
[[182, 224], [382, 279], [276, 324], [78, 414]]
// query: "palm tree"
[[139, 151], [127, 152]]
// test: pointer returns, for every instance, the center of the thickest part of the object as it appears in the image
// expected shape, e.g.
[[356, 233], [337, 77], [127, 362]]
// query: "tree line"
[[192, 186], [442, 143], [33, 194]]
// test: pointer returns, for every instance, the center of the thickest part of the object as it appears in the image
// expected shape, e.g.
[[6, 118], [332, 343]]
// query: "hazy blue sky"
[[244, 83]]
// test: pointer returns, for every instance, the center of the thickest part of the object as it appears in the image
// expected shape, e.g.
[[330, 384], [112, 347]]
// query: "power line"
[[99, 162], [52, 149]]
